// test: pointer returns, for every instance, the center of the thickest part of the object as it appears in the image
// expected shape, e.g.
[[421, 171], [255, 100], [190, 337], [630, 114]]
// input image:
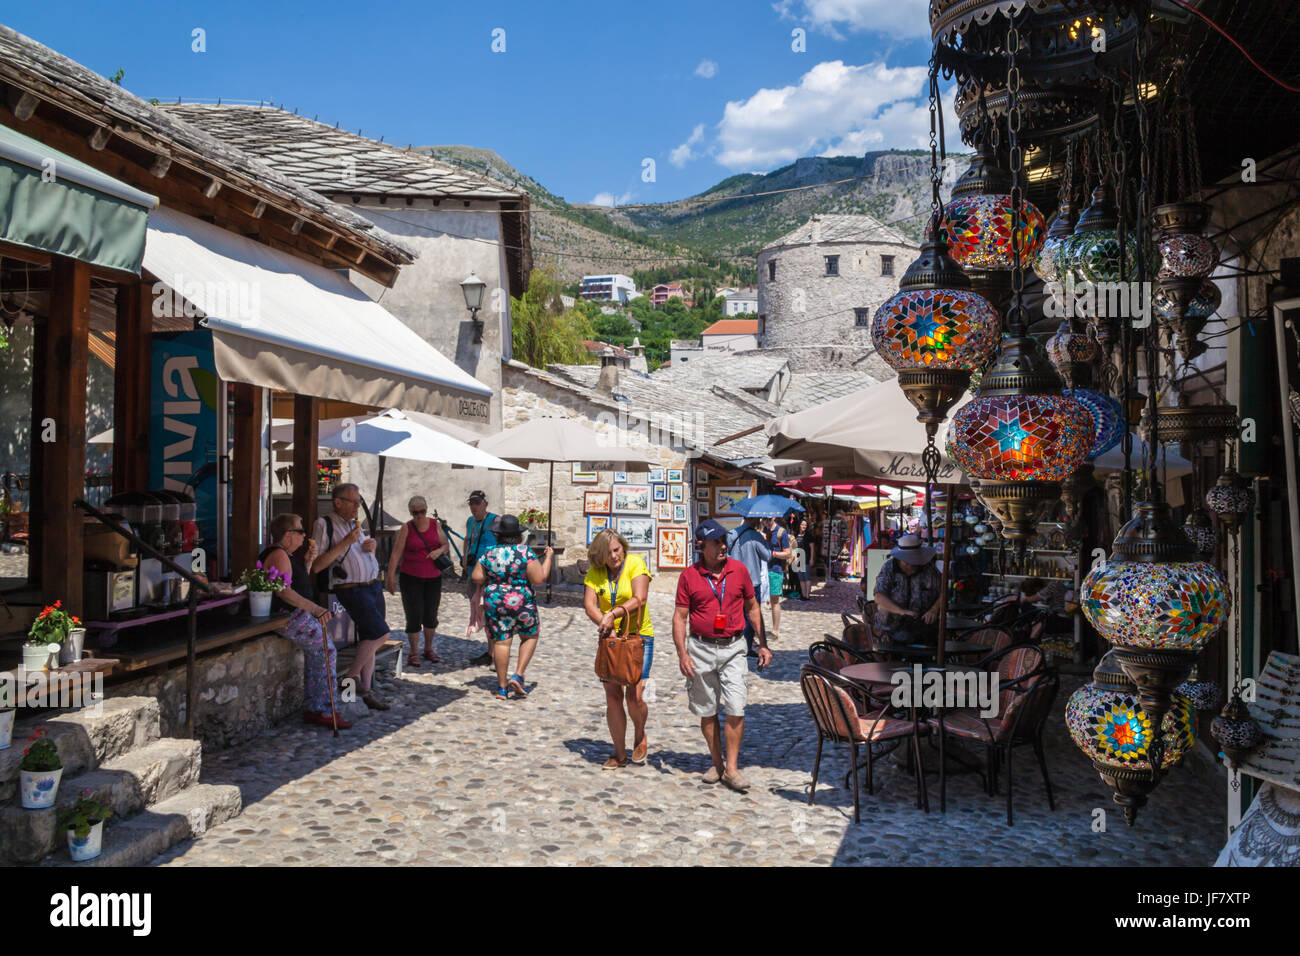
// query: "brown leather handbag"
[[621, 656]]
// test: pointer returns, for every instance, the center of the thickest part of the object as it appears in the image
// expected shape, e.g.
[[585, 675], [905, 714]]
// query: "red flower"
[[58, 603]]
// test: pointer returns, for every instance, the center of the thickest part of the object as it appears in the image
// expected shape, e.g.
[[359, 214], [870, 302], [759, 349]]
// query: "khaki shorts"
[[720, 672]]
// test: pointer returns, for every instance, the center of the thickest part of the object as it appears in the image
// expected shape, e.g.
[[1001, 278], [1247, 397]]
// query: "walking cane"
[[334, 714]]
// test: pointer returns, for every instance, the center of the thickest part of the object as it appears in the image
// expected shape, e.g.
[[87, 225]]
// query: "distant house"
[[730, 335], [740, 301], [610, 288], [665, 291], [683, 350]]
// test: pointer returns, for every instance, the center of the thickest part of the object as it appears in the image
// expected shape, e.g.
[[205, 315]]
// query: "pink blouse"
[[415, 554]]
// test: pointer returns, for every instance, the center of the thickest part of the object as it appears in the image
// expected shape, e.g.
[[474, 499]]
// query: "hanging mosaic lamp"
[[1230, 499], [1236, 731], [1020, 437], [1157, 602], [1191, 423], [1107, 418], [1092, 253], [1185, 313], [1200, 528], [1184, 252], [1045, 263], [977, 224], [1204, 695], [1107, 722], [1072, 352], [935, 331]]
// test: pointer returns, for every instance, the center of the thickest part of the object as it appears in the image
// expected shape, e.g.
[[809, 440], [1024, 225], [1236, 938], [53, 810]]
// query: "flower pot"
[[37, 656], [87, 847], [6, 728], [39, 787], [259, 603], [70, 649]]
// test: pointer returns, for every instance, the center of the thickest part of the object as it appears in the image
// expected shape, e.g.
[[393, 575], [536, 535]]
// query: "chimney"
[[816, 229], [608, 380], [638, 363]]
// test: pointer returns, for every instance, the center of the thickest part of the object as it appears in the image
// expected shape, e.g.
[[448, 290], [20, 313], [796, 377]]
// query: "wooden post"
[[131, 383], [64, 354], [306, 433], [246, 474]]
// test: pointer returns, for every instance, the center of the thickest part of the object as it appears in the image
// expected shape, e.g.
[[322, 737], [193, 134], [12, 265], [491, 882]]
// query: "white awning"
[[280, 322]]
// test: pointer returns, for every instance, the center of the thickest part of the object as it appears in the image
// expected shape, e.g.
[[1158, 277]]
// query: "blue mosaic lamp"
[[1107, 419]]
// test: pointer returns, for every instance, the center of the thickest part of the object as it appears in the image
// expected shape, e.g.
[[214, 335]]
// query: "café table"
[[924, 652]]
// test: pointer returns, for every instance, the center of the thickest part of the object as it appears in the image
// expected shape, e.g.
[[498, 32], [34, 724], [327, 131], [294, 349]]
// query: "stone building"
[[822, 283]]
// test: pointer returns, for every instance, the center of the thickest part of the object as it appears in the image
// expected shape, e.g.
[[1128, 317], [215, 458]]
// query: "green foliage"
[[544, 332], [84, 814], [116, 78], [41, 755]]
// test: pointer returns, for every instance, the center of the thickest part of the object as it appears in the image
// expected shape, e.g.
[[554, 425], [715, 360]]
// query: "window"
[[862, 318], [886, 265], [771, 270], [832, 265]]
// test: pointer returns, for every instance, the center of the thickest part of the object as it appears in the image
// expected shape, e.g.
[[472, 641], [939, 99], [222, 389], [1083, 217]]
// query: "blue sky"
[[582, 95]]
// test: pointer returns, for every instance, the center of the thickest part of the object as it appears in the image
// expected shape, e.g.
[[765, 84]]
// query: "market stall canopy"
[[818, 484], [280, 322], [396, 434], [561, 439], [872, 433], [50, 201]]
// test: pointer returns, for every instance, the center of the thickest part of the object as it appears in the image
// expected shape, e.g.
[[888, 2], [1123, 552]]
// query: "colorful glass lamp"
[[1072, 352], [1107, 418]]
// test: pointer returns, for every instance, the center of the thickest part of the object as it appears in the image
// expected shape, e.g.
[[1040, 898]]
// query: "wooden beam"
[[259, 209], [246, 474], [306, 434], [65, 356], [212, 188], [134, 346], [296, 227], [161, 164], [99, 138], [26, 106]]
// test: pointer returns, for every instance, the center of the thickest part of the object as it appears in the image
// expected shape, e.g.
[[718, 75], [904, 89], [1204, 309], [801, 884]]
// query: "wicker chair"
[[837, 706], [1027, 688], [994, 638]]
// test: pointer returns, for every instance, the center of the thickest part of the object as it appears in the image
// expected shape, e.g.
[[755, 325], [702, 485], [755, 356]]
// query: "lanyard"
[[720, 597], [614, 584]]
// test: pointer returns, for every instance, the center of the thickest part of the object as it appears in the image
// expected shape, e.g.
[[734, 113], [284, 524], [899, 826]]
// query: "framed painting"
[[581, 477], [595, 502], [596, 523], [681, 513], [620, 477], [701, 509], [731, 524], [640, 532], [676, 492], [664, 511], [674, 475], [655, 476], [701, 494], [660, 492], [726, 496], [672, 553], [631, 500], [701, 476]]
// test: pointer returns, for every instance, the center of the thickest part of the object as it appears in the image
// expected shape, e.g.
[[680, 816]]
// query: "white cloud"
[[609, 199], [903, 19], [683, 154], [707, 69], [834, 110]]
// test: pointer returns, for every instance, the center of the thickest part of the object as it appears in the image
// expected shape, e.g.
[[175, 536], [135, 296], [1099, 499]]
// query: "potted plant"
[[7, 715], [262, 583], [40, 771], [84, 823], [48, 633]]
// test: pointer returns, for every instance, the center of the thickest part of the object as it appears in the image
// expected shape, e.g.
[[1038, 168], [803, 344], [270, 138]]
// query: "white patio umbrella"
[[561, 439], [1171, 465]]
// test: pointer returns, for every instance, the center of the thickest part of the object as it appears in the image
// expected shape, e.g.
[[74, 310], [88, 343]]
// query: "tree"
[[544, 332]]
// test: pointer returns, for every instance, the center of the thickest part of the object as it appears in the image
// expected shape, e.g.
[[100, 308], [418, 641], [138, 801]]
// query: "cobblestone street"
[[452, 776]]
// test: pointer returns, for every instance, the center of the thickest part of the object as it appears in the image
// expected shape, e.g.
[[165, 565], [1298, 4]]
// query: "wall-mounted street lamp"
[[473, 288]]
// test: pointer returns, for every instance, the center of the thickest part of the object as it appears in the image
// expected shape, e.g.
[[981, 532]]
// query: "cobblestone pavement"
[[452, 776]]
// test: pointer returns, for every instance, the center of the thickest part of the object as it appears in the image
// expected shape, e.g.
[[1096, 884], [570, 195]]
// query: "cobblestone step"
[[127, 783], [140, 838], [85, 739]]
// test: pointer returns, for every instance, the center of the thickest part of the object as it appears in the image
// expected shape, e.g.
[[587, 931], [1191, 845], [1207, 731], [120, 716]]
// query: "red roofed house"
[[730, 335]]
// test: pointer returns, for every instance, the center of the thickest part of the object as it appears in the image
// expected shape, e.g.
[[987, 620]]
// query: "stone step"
[[139, 839], [85, 737], [126, 783]]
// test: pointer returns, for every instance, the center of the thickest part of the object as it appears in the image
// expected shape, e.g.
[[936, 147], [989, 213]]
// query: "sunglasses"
[[295, 531], [418, 511]]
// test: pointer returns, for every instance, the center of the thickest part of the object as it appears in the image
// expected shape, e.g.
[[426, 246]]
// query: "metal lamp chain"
[[1016, 158]]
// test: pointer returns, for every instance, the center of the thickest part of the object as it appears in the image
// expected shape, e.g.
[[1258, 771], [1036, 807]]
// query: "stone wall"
[[804, 306], [525, 396], [241, 691]]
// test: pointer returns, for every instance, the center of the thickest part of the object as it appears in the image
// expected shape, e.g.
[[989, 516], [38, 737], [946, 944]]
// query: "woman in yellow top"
[[618, 586]]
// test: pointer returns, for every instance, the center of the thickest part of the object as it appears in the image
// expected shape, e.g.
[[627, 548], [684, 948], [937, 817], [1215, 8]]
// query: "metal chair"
[[1027, 688], [994, 638], [833, 655], [838, 706]]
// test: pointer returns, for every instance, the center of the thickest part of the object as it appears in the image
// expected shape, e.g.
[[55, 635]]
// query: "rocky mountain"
[[724, 226]]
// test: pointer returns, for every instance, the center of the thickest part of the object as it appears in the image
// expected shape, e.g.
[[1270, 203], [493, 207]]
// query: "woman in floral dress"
[[508, 573]]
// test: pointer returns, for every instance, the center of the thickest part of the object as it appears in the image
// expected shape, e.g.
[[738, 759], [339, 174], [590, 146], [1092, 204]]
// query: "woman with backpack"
[[414, 565]]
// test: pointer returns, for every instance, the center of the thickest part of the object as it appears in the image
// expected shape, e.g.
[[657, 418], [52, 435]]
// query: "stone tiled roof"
[[754, 372], [332, 160], [807, 389], [842, 228]]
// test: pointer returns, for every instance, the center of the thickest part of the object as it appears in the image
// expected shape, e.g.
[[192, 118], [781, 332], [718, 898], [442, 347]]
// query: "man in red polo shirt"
[[714, 597]]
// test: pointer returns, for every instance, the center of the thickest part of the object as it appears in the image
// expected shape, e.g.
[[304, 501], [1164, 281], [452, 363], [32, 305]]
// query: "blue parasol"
[[766, 506]]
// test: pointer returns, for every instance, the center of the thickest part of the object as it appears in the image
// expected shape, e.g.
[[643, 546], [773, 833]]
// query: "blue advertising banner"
[[183, 424]]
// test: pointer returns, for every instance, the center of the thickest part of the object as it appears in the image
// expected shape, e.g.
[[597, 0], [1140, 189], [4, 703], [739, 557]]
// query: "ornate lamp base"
[[1019, 505], [1156, 674], [1129, 787], [933, 391]]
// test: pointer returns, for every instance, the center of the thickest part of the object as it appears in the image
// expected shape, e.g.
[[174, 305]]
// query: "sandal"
[[639, 751], [613, 763], [516, 682], [501, 694], [432, 657]]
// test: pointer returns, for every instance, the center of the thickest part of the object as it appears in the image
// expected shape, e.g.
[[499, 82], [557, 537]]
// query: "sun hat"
[[506, 526], [910, 549]]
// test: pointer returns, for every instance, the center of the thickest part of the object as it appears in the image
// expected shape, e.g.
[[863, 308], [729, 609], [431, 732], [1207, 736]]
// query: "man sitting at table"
[[907, 593]]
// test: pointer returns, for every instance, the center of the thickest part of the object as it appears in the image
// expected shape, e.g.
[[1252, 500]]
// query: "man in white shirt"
[[347, 554]]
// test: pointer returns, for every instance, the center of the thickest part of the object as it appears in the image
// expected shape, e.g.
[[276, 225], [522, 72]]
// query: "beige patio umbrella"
[[564, 440]]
